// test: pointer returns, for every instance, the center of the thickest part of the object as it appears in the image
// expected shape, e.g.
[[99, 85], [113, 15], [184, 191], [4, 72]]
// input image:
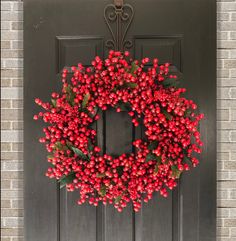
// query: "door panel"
[[70, 49], [154, 222], [76, 222], [61, 33], [118, 226], [167, 48]]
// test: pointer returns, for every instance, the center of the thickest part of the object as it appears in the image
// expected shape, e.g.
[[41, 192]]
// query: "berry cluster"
[[151, 98]]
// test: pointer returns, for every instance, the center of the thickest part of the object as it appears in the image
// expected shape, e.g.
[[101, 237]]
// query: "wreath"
[[148, 93]]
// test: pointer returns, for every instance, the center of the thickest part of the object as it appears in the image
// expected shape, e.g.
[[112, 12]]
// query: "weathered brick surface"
[[226, 120], [11, 118], [12, 123]]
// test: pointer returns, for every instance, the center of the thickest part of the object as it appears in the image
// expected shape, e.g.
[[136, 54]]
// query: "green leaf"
[[186, 159], [114, 89], [60, 147], [103, 191], [70, 95], [118, 199], [156, 168], [119, 170], [170, 82], [50, 157], [79, 153], [167, 114], [185, 152], [153, 145], [90, 145], [85, 100], [69, 144], [100, 175], [124, 106], [54, 103], [153, 157], [131, 84], [66, 179], [68, 89], [175, 172], [187, 113], [134, 67]]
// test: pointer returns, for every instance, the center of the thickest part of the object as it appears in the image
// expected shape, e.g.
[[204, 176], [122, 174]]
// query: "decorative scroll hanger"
[[118, 17]]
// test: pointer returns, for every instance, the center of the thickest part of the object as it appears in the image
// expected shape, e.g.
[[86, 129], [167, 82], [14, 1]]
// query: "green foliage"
[[58, 146], [85, 100], [103, 191], [119, 170], [187, 113], [100, 175], [90, 145], [167, 114], [118, 199], [156, 168], [175, 172], [131, 84], [124, 106], [70, 95], [170, 82], [54, 103], [153, 157], [66, 179], [134, 67], [50, 157], [79, 153], [153, 145]]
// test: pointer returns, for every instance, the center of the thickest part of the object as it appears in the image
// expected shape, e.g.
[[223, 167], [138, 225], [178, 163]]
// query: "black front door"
[[62, 33]]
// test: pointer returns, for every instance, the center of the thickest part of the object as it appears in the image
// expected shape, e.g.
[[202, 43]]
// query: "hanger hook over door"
[[118, 17]]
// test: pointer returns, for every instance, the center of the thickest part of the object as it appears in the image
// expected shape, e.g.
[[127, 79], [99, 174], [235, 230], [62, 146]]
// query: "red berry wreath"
[[149, 95]]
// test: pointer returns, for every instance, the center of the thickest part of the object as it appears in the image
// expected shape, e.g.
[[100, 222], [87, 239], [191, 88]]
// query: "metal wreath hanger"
[[118, 17]]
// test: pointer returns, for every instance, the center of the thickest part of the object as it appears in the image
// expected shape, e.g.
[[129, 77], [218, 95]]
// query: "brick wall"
[[226, 120], [11, 121], [12, 106]]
